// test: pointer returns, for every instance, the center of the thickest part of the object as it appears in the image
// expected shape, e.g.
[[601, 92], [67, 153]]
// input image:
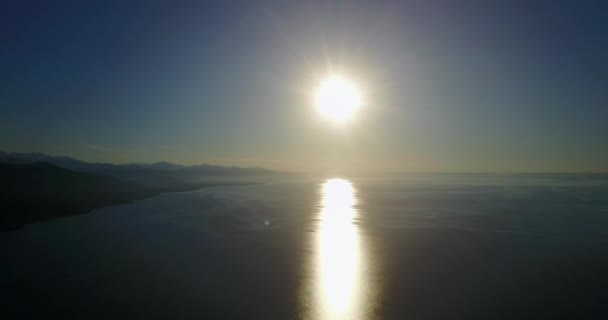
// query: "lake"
[[418, 247]]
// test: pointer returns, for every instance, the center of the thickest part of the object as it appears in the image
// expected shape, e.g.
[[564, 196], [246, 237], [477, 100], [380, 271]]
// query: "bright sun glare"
[[339, 251], [338, 98]]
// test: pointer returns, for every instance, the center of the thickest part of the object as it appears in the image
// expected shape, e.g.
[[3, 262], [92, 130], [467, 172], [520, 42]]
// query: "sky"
[[449, 86]]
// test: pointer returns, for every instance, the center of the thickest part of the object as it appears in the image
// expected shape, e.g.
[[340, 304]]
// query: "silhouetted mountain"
[[30, 192], [158, 175], [36, 186]]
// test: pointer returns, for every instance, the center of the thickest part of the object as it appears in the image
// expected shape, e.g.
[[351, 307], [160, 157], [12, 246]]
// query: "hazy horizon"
[[326, 174]]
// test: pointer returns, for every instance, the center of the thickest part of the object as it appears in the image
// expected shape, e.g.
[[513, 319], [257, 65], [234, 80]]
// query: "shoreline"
[[32, 214]]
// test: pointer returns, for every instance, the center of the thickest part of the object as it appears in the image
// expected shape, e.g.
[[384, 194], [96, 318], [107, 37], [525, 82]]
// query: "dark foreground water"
[[421, 247]]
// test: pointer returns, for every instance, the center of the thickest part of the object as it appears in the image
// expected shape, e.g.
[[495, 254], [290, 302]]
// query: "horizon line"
[[309, 173]]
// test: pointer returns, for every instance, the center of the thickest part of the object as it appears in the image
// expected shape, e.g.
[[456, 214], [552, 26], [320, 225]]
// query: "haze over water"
[[421, 247]]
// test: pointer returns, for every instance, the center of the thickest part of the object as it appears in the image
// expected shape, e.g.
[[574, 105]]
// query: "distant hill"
[[163, 165], [158, 175], [30, 192], [35, 186]]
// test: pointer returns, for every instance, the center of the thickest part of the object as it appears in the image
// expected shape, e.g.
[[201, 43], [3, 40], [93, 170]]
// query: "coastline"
[[33, 211]]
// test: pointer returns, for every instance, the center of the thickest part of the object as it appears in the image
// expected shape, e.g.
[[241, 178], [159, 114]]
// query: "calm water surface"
[[421, 247]]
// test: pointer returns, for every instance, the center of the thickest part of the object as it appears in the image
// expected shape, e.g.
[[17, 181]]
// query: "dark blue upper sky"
[[450, 85]]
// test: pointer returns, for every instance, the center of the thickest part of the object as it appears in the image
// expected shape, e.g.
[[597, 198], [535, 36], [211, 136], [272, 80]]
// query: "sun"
[[338, 98]]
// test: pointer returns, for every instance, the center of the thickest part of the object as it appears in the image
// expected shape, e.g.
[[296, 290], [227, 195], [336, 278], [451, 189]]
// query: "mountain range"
[[35, 186], [158, 175]]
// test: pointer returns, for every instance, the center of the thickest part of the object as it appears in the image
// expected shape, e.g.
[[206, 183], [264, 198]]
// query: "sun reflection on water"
[[338, 247]]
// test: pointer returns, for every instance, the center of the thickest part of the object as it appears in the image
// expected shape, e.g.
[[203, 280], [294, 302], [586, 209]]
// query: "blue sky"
[[490, 86]]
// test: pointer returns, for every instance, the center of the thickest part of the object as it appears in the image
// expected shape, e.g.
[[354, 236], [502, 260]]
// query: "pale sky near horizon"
[[449, 86]]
